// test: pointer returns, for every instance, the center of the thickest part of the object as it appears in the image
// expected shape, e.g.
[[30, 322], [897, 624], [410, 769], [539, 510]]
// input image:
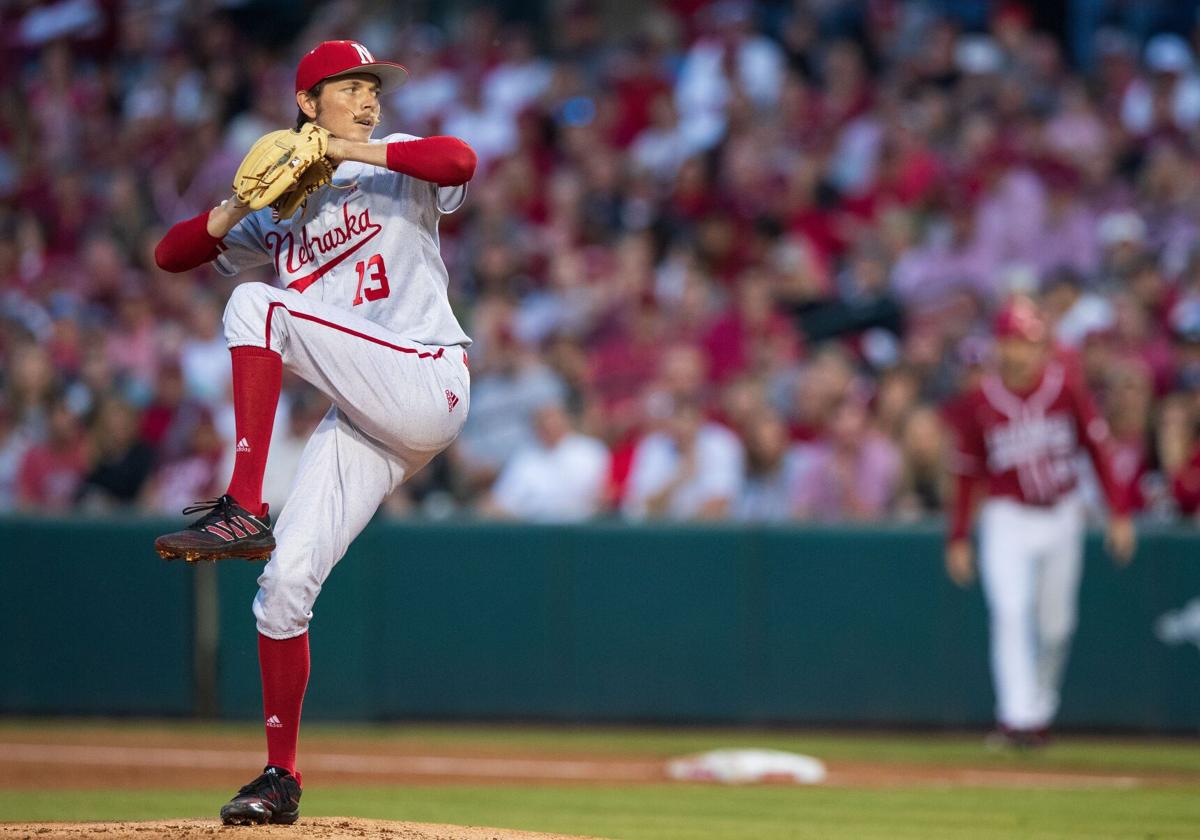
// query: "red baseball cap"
[[1020, 319], [337, 58]]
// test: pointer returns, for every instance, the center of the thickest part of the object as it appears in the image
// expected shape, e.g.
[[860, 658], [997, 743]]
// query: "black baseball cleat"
[[274, 797], [1004, 738], [226, 530]]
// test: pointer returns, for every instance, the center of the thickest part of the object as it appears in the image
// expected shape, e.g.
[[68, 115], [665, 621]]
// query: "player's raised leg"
[[411, 398], [342, 479]]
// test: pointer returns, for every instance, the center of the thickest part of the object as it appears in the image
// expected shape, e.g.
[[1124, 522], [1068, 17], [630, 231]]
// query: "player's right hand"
[[960, 564]]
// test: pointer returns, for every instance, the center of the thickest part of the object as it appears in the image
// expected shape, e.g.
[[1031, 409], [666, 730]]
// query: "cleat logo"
[[451, 399], [247, 524], [243, 445], [220, 531], [274, 722]]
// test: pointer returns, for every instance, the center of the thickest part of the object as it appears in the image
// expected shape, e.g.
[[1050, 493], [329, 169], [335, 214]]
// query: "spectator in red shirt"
[[51, 472], [749, 331]]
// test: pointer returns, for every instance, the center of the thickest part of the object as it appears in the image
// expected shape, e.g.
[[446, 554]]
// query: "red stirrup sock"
[[257, 378], [284, 665]]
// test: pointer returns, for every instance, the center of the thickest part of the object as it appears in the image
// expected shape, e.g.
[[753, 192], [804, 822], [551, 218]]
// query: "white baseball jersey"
[[368, 243], [364, 317]]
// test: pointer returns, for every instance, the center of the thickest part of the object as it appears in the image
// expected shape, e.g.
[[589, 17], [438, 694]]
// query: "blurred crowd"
[[720, 260]]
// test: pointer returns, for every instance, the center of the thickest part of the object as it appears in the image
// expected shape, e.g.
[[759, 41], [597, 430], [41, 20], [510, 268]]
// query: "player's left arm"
[[966, 457], [445, 161], [1097, 440]]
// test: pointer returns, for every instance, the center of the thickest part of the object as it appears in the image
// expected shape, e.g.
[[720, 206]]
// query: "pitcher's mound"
[[317, 828]]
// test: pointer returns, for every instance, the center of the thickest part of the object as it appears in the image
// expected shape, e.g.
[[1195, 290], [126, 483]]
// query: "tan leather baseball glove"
[[283, 168]]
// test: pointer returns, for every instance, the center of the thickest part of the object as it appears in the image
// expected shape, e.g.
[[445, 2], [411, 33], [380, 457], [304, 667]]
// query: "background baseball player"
[[363, 316], [1018, 436]]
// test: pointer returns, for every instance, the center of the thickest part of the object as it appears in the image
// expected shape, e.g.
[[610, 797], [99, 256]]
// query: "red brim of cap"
[[390, 74], [1023, 330]]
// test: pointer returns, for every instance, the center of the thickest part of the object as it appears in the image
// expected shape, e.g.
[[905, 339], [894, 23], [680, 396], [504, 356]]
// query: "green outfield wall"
[[598, 623]]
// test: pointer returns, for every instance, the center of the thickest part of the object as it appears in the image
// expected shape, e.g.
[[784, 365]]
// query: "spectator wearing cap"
[[691, 469], [560, 477]]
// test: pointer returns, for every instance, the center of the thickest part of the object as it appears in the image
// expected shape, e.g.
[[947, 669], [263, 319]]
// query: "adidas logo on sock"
[[451, 399], [274, 722], [243, 445]]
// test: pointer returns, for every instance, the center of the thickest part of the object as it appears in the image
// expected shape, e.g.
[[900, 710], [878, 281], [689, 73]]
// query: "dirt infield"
[[320, 828]]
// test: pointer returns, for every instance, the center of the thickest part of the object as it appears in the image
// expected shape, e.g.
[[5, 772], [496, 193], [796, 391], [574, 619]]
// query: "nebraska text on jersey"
[[343, 240], [368, 243]]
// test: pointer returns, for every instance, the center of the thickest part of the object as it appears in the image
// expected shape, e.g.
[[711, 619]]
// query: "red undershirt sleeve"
[[445, 161], [187, 245]]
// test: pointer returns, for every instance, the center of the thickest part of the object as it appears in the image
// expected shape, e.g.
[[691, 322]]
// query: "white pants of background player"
[[1030, 562], [396, 404]]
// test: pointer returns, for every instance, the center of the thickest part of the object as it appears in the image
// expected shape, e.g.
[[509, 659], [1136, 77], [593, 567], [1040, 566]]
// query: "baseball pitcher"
[[350, 226]]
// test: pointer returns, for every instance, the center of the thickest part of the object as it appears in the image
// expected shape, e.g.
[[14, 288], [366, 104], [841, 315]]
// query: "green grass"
[[685, 812], [704, 812]]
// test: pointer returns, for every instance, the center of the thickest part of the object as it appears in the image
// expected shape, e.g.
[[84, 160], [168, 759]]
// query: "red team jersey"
[[1026, 446]]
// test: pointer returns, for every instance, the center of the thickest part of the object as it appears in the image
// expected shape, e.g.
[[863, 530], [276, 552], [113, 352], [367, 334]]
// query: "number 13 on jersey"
[[375, 273]]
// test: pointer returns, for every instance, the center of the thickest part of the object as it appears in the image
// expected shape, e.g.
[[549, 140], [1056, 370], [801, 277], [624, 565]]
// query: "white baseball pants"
[[396, 404], [1031, 559]]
